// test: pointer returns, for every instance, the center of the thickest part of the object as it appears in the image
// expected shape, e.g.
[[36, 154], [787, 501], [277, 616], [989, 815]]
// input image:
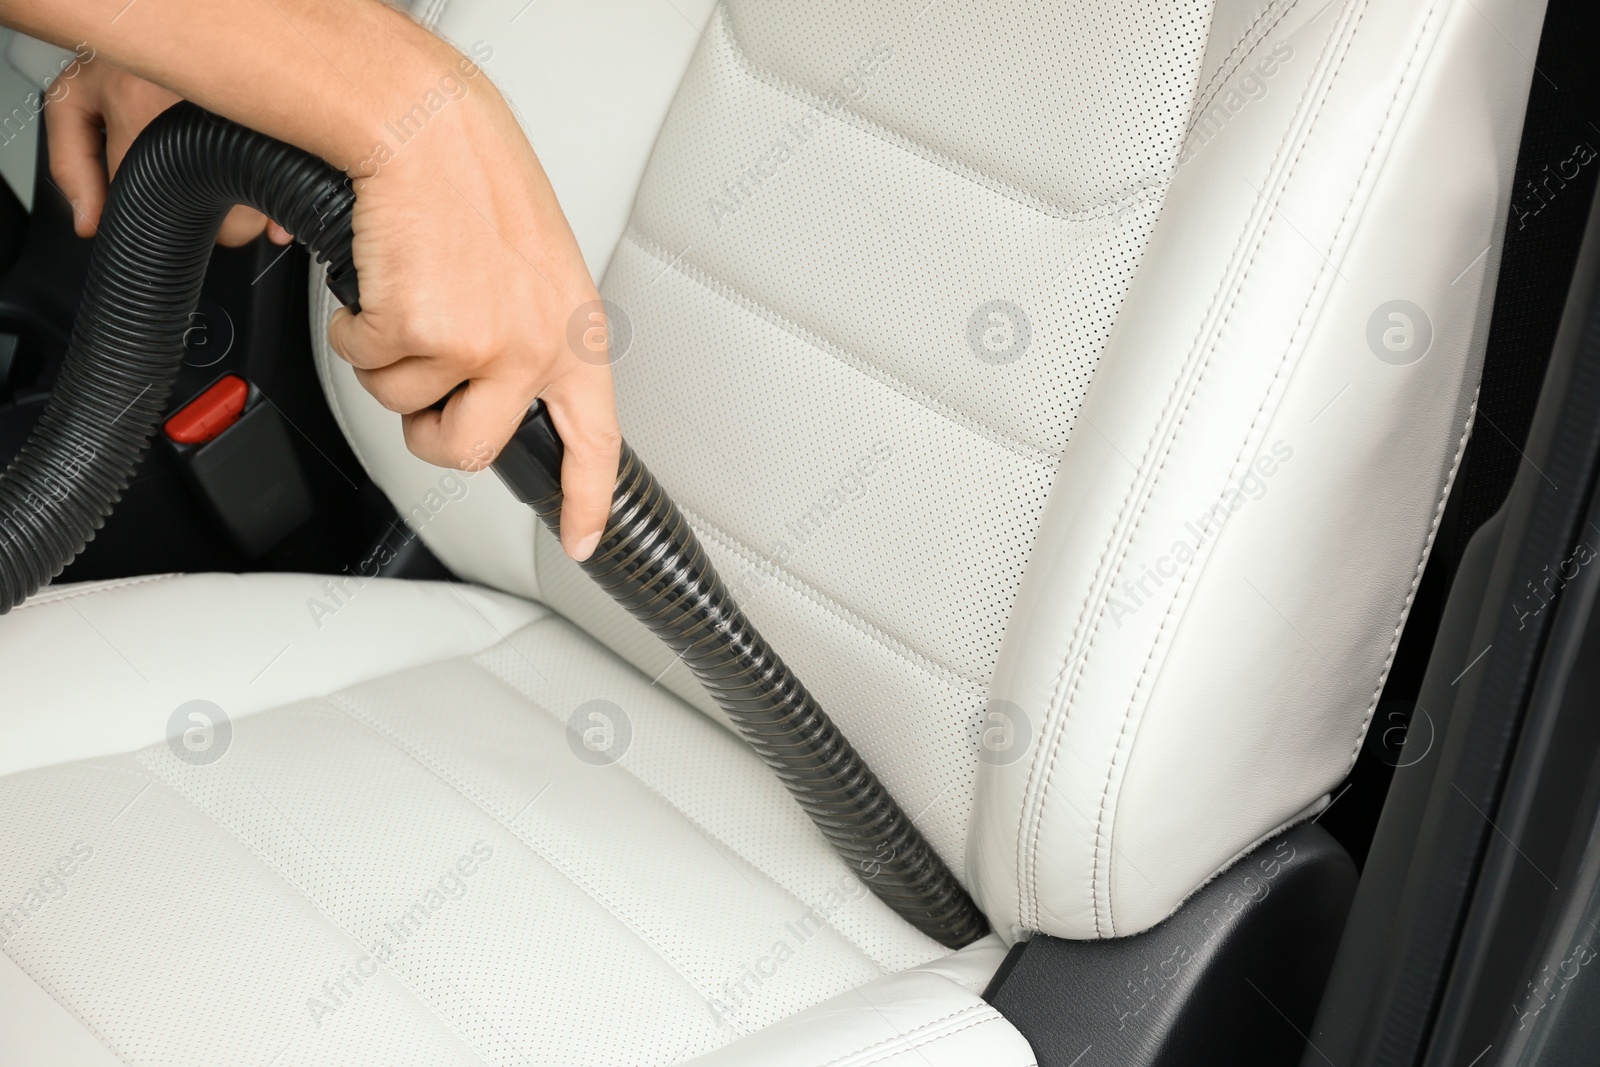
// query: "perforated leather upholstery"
[[1031, 372], [409, 858]]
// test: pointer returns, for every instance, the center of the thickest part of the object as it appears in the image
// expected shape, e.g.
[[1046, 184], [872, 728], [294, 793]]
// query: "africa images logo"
[[199, 732], [1399, 332]]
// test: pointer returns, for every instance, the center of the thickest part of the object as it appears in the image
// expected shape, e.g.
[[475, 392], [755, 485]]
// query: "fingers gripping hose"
[[166, 206]]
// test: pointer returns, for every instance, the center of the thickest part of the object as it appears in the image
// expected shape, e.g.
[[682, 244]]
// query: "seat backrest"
[[1068, 389]]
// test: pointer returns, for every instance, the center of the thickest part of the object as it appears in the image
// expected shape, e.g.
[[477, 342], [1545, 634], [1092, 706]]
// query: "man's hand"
[[102, 107], [470, 274]]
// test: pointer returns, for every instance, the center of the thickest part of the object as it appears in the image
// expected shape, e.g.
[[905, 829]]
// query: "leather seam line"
[[723, 21], [121, 583], [177, 791], [926, 1040], [104, 765], [49, 990], [715, 838], [1247, 43], [711, 283], [1166, 428], [1102, 830], [902, 1041], [1195, 567], [899, 649], [468, 794]]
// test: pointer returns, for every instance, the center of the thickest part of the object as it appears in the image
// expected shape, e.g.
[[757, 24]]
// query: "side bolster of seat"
[[1244, 509], [929, 1016]]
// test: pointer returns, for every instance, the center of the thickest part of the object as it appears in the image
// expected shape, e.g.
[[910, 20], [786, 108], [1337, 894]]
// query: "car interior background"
[[1162, 434]]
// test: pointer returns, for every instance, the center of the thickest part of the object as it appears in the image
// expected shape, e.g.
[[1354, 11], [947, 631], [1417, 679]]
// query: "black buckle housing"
[[249, 477]]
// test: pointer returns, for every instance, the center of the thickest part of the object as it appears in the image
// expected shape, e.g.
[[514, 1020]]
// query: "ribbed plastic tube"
[[650, 561], [170, 196], [162, 216]]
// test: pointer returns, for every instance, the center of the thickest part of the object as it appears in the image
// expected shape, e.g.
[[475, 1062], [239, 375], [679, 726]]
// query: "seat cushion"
[[426, 824]]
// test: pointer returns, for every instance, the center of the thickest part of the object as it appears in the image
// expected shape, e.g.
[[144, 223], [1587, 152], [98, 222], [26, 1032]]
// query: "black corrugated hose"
[[650, 561], [167, 203], [171, 194]]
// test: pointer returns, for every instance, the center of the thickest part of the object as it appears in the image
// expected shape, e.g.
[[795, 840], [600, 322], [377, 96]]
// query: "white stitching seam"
[[1105, 822], [432, 12], [1416, 577], [1235, 57], [910, 1039], [1346, 221], [923, 1042], [1041, 770], [66, 1005], [1040, 773], [44, 598], [1129, 732]]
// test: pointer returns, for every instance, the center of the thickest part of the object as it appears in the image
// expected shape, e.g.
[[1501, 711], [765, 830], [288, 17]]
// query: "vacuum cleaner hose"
[[177, 183], [650, 561], [175, 186]]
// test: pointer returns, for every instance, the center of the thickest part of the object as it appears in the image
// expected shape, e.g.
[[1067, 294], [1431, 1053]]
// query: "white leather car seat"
[[1069, 390]]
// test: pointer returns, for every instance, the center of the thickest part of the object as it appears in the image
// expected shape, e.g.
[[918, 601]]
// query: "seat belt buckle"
[[235, 451]]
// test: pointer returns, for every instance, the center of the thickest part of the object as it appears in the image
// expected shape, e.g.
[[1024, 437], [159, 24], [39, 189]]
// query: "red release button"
[[208, 414]]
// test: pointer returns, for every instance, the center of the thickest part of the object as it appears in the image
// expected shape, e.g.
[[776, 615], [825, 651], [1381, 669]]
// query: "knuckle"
[[421, 330], [474, 346], [548, 348]]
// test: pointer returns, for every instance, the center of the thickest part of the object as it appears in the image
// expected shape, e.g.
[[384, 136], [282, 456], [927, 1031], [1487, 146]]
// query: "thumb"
[[585, 415], [75, 144]]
